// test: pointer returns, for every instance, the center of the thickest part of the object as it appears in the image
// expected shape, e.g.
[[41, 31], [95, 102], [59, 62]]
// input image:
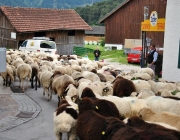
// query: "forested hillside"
[[61, 4], [91, 14], [90, 10]]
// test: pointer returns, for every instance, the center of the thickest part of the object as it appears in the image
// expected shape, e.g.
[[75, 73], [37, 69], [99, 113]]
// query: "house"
[[171, 55], [124, 22], [95, 34], [65, 27]]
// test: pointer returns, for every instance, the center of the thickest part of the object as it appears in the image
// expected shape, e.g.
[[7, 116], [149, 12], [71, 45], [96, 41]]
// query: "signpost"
[[151, 24]]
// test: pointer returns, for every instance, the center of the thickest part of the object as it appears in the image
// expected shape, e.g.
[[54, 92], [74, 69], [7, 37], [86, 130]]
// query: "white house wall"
[[170, 70]]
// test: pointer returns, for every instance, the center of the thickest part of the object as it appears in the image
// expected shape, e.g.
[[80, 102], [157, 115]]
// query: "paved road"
[[39, 127]]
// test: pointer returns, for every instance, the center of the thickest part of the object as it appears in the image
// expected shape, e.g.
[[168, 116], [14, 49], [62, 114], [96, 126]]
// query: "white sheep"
[[7, 75], [156, 86], [143, 76], [146, 70], [141, 84], [165, 117], [159, 104], [45, 79], [64, 119], [23, 72], [91, 76]]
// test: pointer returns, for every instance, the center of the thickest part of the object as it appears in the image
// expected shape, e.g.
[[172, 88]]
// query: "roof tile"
[[41, 19]]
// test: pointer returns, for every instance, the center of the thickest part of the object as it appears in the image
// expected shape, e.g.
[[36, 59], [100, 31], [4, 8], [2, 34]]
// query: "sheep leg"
[[19, 83], [27, 83], [36, 82], [43, 91], [9, 81], [58, 101], [3, 82], [6, 80], [22, 85], [58, 136], [31, 80]]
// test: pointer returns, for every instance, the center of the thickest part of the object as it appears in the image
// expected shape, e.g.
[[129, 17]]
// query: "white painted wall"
[[170, 71]]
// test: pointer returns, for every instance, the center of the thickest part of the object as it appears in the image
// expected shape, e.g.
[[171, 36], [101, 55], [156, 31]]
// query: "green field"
[[115, 55]]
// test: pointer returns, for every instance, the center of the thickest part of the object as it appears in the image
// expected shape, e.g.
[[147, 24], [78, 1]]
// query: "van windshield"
[[135, 51], [47, 44], [24, 44]]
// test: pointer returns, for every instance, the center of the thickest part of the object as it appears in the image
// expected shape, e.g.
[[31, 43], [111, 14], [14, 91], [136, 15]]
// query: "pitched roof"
[[99, 30], [113, 11], [42, 19]]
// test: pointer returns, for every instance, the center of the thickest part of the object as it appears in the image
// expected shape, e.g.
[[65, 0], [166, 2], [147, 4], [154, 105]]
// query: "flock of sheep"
[[98, 101]]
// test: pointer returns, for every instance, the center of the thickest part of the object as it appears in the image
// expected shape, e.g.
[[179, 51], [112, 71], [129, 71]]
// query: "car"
[[134, 55], [39, 44]]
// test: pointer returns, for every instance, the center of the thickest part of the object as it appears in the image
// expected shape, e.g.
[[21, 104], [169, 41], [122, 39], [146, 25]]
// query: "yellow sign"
[[32, 44], [153, 24]]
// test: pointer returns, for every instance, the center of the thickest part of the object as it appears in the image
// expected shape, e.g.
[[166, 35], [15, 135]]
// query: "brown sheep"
[[123, 87]]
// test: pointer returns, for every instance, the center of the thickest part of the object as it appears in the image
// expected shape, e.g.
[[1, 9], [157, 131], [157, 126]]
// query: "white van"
[[39, 44]]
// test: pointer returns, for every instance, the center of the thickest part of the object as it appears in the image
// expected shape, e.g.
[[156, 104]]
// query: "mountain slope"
[[61, 4]]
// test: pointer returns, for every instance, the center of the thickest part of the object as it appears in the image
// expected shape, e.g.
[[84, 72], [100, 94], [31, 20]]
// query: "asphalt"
[[15, 108]]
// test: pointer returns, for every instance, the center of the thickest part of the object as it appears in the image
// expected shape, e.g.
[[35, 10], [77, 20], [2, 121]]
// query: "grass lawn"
[[115, 55]]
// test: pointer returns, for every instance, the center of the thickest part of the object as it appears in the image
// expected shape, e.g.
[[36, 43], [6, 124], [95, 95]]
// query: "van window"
[[135, 51], [47, 44], [24, 44]]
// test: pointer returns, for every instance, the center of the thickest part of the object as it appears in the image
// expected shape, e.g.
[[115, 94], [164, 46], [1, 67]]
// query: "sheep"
[[123, 87], [166, 117], [71, 91], [45, 79], [24, 71], [35, 70], [141, 84], [64, 119], [7, 75], [145, 93], [159, 104], [138, 122], [8, 59], [92, 126], [108, 90], [156, 86], [104, 107], [143, 76], [60, 83], [146, 70], [90, 75]]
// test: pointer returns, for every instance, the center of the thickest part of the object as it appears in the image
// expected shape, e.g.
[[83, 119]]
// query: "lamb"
[[123, 87], [166, 117], [24, 71], [64, 119]]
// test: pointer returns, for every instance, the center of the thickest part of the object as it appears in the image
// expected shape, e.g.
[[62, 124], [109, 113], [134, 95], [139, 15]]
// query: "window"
[[47, 45], [71, 33], [24, 44]]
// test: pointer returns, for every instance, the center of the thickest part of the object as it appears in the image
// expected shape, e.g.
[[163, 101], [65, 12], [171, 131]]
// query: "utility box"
[[2, 59]]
